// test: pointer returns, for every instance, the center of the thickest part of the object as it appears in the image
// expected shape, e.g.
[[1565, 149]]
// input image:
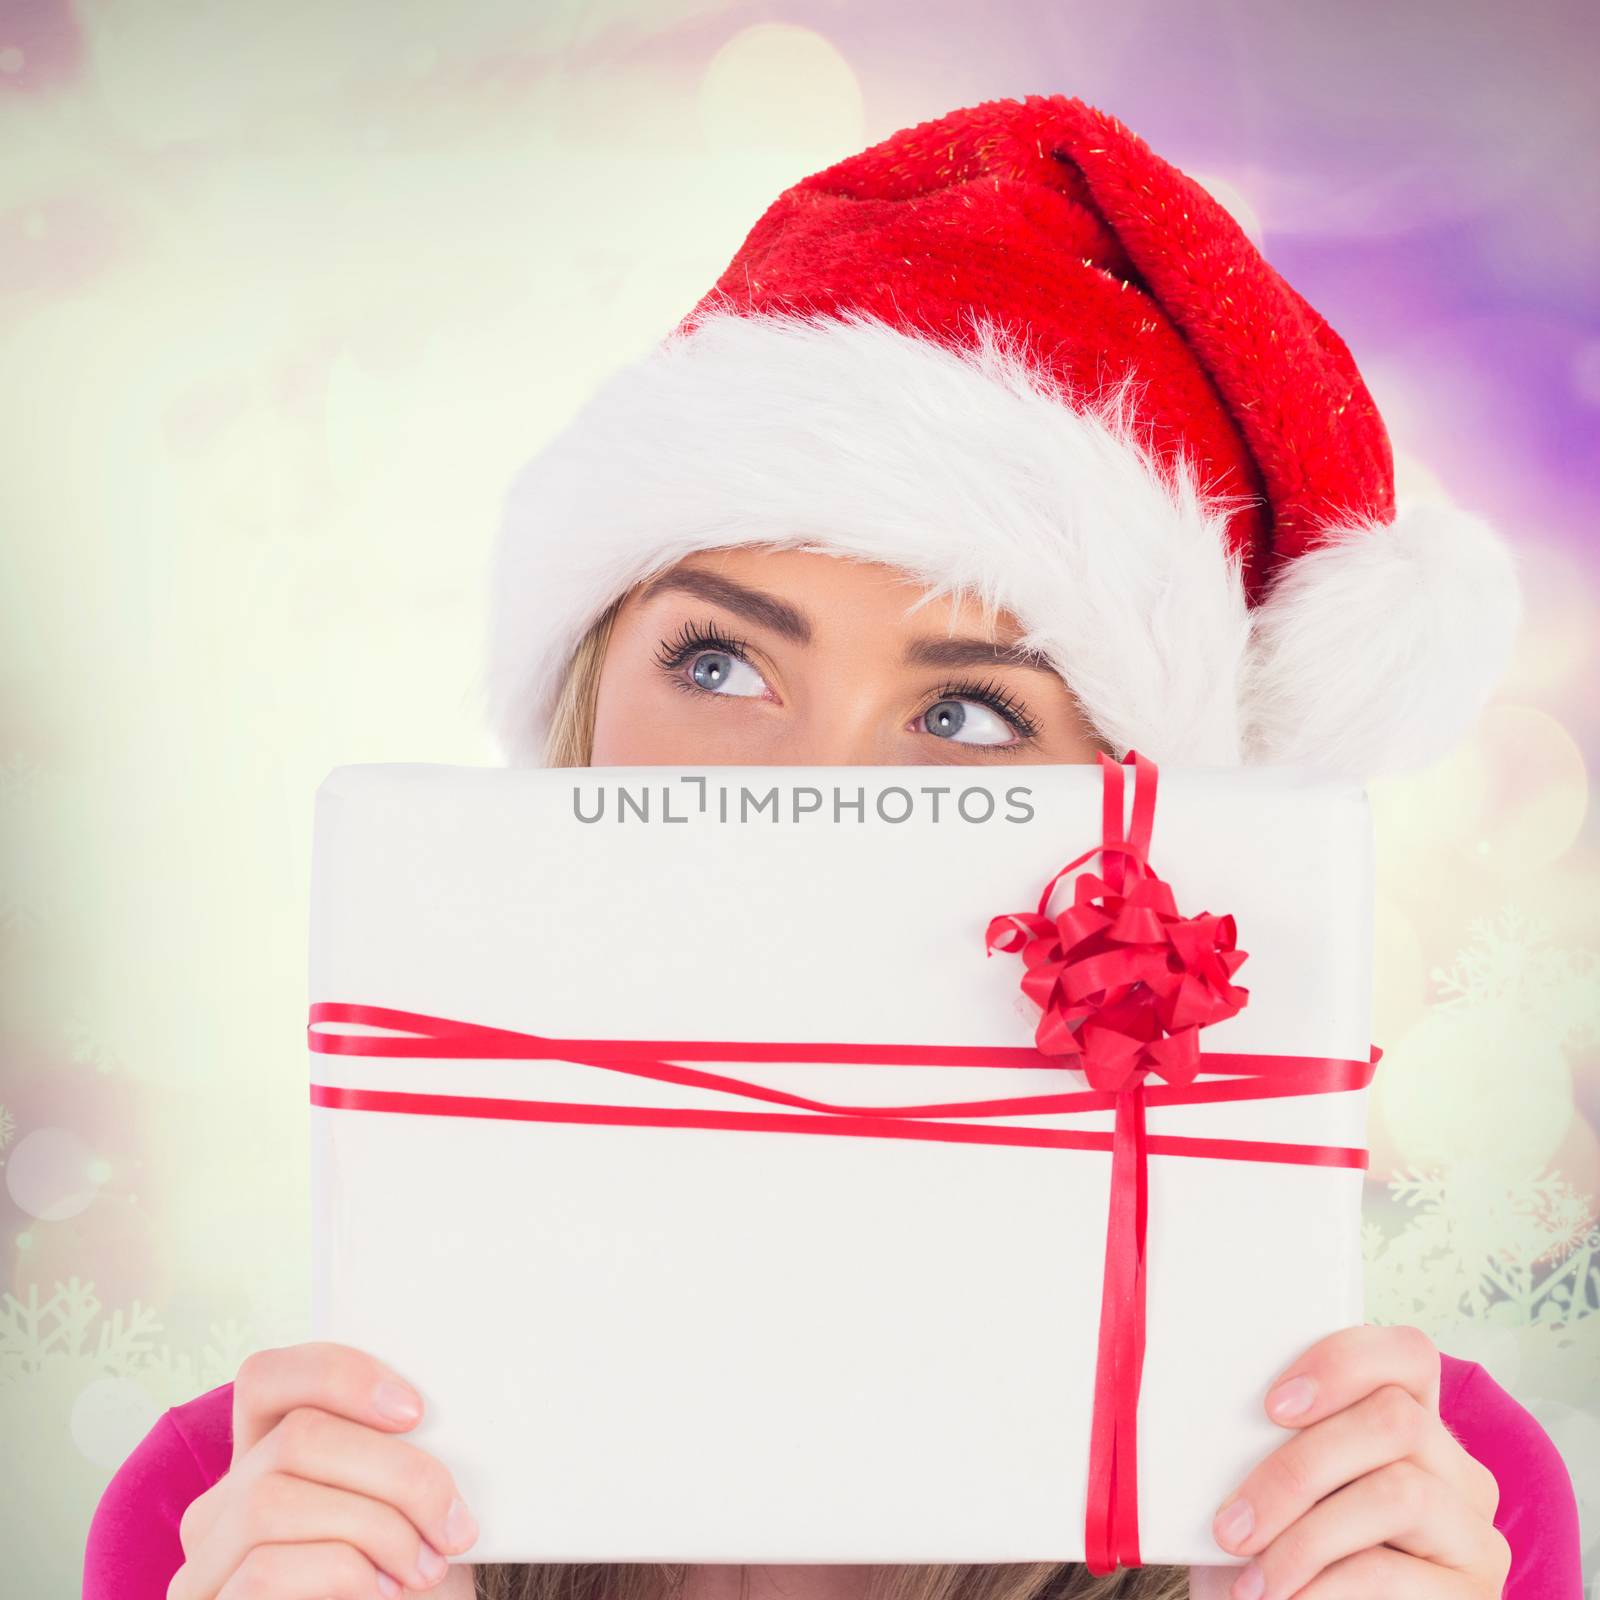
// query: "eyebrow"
[[974, 653], [767, 609], [791, 623]]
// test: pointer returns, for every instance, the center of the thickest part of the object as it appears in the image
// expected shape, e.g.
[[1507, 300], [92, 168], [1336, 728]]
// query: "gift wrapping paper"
[[706, 1335]]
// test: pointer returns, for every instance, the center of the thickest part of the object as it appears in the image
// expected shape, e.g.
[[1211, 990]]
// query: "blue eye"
[[967, 722], [718, 672], [719, 665], [980, 714]]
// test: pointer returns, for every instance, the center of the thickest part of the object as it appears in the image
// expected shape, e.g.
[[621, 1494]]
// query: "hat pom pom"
[[1373, 652]]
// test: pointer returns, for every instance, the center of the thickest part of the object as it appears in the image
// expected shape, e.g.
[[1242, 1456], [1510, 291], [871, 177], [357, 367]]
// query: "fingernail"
[[396, 1402], [1249, 1584], [459, 1528], [387, 1585], [1233, 1522], [1291, 1398], [430, 1563]]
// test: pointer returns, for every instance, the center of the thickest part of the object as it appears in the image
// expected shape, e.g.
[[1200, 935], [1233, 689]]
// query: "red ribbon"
[[1124, 984]]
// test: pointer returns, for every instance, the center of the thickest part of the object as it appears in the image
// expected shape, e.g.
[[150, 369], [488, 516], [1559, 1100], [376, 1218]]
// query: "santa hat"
[[1016, 354]]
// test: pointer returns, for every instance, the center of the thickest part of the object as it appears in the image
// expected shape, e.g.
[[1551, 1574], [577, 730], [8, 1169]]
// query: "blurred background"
[[287, 293]]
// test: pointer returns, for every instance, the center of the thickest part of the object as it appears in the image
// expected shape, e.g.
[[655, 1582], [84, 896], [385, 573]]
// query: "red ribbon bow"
[[1124, 984]]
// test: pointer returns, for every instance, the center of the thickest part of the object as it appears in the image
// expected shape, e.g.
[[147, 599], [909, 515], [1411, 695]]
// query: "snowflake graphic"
[[84, 1045], [1526, 1254], [18, 777], [1512, 965], [64, 1340], [80, 1386], [1487, 1247]]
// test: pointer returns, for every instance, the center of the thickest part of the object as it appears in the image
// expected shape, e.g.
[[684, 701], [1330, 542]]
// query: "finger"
[[1211, 1583], [1472, 1479], [1337, 1371], [305, 1572], [1398, 1505], [272, 1382], [1386, 1426], [284, 1513], [323, 1448], [1393, 1574], [333, 1377], [200, 1514]]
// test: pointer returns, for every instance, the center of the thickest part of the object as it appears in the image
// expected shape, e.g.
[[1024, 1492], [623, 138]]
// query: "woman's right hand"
[[321, 1499]]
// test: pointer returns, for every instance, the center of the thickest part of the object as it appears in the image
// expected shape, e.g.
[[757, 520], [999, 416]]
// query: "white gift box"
[[742, 1342]]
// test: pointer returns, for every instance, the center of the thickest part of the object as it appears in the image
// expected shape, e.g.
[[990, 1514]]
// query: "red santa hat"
[[1016, 354]]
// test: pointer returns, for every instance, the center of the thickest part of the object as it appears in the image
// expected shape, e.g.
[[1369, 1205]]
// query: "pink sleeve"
[[133, 1548], [1538, 1511]]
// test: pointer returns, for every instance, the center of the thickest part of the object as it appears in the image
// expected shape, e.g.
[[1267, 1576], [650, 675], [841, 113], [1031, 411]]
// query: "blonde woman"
[[996, 443]]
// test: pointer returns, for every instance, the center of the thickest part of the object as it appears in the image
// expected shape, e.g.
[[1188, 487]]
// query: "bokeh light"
[[1471, 1087], [109, 1417], [783, 91], [50, 1174], [1232, 198]]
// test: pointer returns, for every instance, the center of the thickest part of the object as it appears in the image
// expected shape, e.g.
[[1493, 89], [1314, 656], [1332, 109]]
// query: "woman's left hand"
[[1373, 1495]]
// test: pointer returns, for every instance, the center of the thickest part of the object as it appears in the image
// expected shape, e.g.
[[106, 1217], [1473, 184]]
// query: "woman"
[[846, 517]]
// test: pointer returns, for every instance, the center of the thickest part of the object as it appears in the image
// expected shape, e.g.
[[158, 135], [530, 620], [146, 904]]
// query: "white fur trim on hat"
[[972, 469], [963, 466]]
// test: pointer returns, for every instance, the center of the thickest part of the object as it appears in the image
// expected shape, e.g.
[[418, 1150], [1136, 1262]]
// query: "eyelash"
[[693, 638], [690, 640], [993, 694]]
